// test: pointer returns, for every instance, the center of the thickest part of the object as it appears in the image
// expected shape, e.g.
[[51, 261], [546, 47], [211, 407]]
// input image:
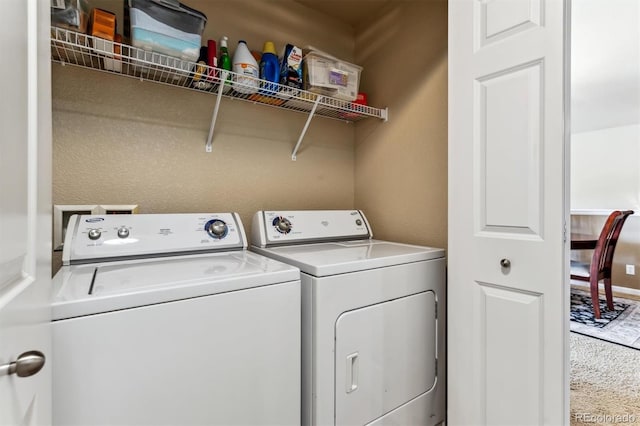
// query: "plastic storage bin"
[[330, 76], [165, 26], [154, 65], [70, 14]]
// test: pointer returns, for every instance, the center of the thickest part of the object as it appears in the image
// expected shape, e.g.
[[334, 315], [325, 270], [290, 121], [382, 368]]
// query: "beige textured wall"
[[401, 165], [626, 251], [122, 141]]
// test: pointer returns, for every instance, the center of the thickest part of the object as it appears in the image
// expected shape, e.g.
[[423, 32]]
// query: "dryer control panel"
[[96, 238], [289, 227]]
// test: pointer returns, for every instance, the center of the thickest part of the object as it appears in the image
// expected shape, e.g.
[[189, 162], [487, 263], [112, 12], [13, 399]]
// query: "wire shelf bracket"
[[216, 108], [304, 129]]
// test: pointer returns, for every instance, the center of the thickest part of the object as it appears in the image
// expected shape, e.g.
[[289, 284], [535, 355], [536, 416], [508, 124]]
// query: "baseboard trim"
[[616, 289]]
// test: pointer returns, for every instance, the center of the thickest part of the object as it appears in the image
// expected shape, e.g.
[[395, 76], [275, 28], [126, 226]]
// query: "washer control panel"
[[105, 237], [285, 227]]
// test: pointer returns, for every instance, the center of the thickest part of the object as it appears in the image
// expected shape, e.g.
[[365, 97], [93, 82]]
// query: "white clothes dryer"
[[373, 319], [167, 319]]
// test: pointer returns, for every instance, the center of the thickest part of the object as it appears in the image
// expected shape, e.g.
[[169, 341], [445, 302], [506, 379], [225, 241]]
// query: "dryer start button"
[[123, 232]]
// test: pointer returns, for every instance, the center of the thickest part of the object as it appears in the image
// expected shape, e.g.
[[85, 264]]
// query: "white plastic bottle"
[[246, 66]]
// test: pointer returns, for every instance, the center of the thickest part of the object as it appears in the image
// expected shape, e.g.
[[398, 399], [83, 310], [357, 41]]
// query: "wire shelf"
[[77, 49]]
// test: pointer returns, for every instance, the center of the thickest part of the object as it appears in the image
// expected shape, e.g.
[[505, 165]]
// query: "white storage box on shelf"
[[165, 26], [330, 76]]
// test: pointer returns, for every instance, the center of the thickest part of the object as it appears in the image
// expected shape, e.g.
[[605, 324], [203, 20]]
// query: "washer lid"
[[95, 288], [323, 259]]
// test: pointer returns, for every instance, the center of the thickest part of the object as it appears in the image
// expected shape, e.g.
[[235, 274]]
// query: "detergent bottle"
[[270, 67], [246, 68]]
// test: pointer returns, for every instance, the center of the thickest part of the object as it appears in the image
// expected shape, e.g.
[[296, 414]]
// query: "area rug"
[[621, 326]]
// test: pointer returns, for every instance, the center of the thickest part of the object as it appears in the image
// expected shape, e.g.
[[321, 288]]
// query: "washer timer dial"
[[94, 234], [216, 228], [282, 225]]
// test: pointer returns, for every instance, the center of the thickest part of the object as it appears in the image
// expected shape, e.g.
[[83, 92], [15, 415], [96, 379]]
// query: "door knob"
[[27, 364], [505, 263]]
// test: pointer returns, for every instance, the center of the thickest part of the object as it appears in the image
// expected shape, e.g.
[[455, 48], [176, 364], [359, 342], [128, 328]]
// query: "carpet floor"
[[605, 382]]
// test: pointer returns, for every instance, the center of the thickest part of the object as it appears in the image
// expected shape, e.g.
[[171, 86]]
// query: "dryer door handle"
[[352, 372]]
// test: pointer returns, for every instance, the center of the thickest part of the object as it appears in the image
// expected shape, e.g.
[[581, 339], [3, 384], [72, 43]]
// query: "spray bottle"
[[225, 63]]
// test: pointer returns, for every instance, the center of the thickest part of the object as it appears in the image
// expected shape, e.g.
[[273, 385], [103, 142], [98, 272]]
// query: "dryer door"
[[385, 357]]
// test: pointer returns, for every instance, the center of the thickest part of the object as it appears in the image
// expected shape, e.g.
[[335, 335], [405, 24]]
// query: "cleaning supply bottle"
[[270, 66], [199, 80], [291, 68], [225, 63], [212, 61], [246, 68]]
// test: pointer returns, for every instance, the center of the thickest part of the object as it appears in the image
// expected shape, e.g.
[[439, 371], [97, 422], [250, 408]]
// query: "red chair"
[[601, 262]]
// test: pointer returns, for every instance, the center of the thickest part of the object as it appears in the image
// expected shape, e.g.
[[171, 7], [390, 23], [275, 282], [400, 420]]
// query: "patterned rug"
[[621, 326]]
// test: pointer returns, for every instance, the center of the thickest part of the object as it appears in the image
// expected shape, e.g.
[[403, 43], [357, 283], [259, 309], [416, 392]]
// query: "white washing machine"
[[373, 319], [168, 320]]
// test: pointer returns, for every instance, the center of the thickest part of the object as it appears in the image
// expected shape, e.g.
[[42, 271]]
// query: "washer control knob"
[[94, 234], [359, 222], [282, 225], [217, 228], [123, 232]]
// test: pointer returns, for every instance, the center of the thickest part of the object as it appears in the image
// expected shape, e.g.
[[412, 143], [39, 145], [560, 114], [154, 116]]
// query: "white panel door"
[[25, 205], [508, 295]]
